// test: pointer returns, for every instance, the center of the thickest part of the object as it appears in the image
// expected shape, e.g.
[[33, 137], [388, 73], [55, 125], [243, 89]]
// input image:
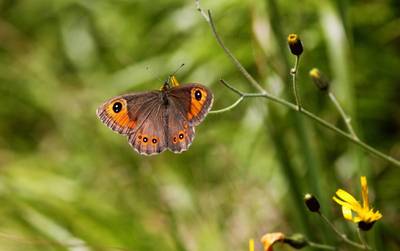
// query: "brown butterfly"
[[158, 120]]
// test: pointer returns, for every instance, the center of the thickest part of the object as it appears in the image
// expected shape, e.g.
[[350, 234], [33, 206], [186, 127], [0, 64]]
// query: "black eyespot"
[[181, 136], [145, 139], [197, 95], [154, 141], [117, 107], [174, 139]]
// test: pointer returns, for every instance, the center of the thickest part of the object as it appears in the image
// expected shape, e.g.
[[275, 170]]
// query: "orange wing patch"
[[117, 111], [197, 98]]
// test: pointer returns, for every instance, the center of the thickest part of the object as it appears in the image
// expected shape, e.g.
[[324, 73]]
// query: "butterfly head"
[[170, 82]]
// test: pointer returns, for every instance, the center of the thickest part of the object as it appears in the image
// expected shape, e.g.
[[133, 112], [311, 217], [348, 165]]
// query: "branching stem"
[[312, 116], [229, 107], [246, 74], [263, 93], [341, 235], [346, 118]]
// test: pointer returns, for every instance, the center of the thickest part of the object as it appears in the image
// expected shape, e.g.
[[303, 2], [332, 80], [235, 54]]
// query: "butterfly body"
[[158, 120]]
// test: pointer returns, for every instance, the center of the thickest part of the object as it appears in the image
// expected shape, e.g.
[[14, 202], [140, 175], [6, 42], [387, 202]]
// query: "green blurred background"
[[69, 183]]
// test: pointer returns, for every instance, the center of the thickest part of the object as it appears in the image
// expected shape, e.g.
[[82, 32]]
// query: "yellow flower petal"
[[347, 214], [269, 239], [364, 192], [357, 219], [375, 216], [251, 245], [344, 203], [345, 196]]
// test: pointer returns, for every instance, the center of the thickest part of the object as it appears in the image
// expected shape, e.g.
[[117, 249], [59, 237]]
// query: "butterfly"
[[158, 120]]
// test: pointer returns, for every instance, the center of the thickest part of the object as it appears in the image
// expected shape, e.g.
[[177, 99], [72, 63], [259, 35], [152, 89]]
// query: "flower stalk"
[[340, 234], [296, 48], [360, 236], [293, 73]]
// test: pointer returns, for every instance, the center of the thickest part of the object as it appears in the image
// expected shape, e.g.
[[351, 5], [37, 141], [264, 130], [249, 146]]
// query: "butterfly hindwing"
[[180, 133], [150, 137]]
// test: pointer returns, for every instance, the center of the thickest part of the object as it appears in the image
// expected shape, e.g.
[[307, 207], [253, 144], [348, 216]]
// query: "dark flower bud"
[[296, 241], [365, 226], [311, 203], [319, 79], [295, 45]]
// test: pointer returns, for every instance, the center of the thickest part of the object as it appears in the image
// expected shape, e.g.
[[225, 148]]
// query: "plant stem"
[[341, 235], [320, 246], [312, 116], [238, 65], [229, 107], [293, 72], [346, 118], [362, 239], [265, 94]]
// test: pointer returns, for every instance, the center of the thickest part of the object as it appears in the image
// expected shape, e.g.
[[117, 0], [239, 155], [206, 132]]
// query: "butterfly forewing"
[[193, 101], [125, 113]]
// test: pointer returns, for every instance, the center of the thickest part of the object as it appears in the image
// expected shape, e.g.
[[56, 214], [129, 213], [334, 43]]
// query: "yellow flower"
[[365, 216], [268, 240]]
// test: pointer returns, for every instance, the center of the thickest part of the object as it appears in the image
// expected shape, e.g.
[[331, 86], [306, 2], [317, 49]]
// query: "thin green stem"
[[228, 108], [320, 246], [362, 239], [238, 65], [341, 235], [360, 143], [265, 94], [346, 118], [293, 72], [313, 117]]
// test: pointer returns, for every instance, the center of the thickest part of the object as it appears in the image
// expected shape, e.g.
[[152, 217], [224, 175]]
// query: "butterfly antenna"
[[180, 67], [151, 70], [167, 81]]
